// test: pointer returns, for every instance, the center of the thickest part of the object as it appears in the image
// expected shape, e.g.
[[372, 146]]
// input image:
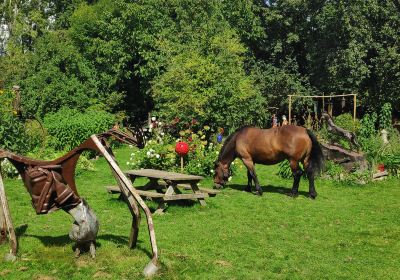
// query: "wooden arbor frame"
[[291, 97]]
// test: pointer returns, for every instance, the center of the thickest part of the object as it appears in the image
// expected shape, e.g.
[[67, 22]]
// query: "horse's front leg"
[[249, 181], [251, 170], [297, 172]]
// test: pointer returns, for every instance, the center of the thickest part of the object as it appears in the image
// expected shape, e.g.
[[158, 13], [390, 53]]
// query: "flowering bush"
[[159, 152], [7, 169]]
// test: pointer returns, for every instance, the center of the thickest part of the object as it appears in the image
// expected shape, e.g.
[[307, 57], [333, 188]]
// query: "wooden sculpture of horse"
[[270, 146], [51, 185]]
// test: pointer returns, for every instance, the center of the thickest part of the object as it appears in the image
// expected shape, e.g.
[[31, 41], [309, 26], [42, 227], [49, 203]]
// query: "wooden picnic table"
[[167, 186]]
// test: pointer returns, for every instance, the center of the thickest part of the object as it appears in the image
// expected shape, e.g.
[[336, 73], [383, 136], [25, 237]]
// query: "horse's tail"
[[316, 156]]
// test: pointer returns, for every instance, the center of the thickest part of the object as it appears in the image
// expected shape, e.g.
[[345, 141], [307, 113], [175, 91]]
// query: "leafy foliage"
[[13, 136], [159, 153], [68, 128]]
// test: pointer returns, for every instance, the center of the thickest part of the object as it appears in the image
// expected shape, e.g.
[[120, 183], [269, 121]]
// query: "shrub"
[[334, 171], [285, 171], [12, 131], [385, 117], [50, 154], [7, 169], [159, 152], [68, 128], [347, 122]]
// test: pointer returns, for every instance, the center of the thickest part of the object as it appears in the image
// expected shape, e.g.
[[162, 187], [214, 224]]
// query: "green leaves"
[[68, 128]]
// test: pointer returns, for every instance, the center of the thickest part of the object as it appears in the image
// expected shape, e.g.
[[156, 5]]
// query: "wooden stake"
[[128, 185], [354, 110], [290, 109], [181, 163], [4, 211]]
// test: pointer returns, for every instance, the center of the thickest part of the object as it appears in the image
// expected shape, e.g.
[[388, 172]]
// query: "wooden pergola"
[[291, 97]]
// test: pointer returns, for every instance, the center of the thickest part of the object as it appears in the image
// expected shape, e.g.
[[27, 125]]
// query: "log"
[[340, 131], [350, 160]]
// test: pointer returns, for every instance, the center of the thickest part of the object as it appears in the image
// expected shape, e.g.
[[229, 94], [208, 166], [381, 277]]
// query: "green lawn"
[[348, 232]]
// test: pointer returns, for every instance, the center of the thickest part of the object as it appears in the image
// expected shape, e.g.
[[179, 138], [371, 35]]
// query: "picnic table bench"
[[167, 186]]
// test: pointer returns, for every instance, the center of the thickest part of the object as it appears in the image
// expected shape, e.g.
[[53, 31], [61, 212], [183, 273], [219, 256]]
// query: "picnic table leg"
[[195, 189], [151, 185], [163, 205]]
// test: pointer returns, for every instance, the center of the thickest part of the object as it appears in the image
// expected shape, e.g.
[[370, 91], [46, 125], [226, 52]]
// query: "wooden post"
[[181, 163], [133, 192], [323, 104], [354, 110], [4, 211], [290, 109]]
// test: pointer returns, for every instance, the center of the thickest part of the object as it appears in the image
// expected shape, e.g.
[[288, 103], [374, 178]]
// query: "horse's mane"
[[228, 140]]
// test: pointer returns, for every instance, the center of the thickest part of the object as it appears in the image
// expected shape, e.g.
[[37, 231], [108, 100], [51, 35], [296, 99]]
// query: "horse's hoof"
[[293, 195], [260, 193], [312, 196]]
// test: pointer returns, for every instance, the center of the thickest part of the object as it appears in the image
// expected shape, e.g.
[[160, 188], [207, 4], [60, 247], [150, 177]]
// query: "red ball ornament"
[[182, 148]]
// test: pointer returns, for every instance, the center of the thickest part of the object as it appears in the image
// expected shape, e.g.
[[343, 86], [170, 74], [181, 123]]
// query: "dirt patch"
[[102, 275], [222, 263], [4, 272], [44, 277]]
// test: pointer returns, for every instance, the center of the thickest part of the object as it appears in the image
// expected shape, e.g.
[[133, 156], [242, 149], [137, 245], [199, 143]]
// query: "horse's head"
[[222, 174]]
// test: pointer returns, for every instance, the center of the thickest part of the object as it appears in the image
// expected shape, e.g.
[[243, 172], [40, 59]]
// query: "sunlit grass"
[[348, 232]]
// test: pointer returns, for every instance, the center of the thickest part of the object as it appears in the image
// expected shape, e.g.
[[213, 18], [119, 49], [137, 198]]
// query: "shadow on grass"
[[62, 240], [50, 241], [267, 189], [153, 204]]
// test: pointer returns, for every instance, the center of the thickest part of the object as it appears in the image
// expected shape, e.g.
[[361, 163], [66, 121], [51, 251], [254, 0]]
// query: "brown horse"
[[270, 146]]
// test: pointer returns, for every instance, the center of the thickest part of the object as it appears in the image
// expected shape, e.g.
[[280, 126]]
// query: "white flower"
[[130, 146], [127, 163], [230, 178], [211, 171], [233, 163], [162, 133], [211, 144], [150, 129], [157, 156], [198, 165], [153, 119], [132, 154], [159, 123], [148, 153]]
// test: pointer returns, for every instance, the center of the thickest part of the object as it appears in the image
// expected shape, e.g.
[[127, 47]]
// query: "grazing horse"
[[270, 146]]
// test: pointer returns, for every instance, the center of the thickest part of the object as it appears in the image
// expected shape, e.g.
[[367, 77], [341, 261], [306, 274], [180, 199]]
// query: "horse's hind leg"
[[311, 176], [297, 172], [249, 181], [251, 170]]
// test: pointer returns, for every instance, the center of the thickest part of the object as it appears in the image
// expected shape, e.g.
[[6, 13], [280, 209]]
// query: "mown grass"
[[348, 232]]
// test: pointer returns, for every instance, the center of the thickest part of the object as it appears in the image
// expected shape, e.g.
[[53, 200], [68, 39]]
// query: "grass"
[[348, 232]]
